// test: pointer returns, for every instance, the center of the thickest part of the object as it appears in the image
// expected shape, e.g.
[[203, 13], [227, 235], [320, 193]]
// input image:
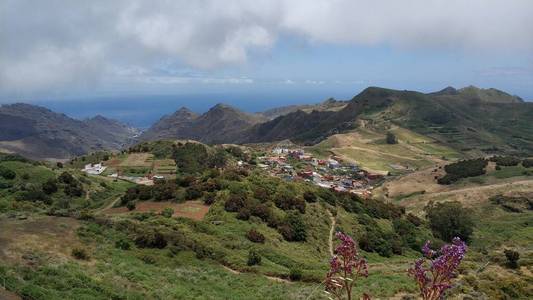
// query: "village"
[[332, 173]]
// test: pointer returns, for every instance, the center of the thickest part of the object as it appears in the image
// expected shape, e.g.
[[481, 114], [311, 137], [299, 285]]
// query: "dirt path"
[[273, 278], [7, 295], [331, 231], [109, 206], [376, 152]]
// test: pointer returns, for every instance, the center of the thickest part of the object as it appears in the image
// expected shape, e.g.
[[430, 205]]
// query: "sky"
[[258, 52]]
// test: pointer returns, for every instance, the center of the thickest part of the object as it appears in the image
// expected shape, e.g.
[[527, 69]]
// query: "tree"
[[50, 186], [391, 138], [449, 220], [293, 228]]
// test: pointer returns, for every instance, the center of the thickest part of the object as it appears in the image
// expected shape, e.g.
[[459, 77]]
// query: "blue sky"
[[260, 50]]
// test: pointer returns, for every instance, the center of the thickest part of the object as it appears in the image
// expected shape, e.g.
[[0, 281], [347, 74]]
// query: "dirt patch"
[[423, 180], [7, 295], [195, 210], [52, 236]]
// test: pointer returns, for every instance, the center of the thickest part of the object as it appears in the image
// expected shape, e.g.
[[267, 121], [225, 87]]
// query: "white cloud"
[[62, 44]]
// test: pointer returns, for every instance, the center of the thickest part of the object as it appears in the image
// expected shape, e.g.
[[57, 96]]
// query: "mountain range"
[[39, 133], [467, 119]]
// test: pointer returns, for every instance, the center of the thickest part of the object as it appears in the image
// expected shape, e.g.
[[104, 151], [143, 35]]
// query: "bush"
[[295, 274], [210, 198], [25, 176], [450, 219], [391, 138], [293, 227], [244, 214], [253, 258], [527, 163], [167, 212], [151, 239], [123, 244], [512, 258], [506, 161], [80, 253], [50, 186], [234, 203], [7, 173], [255, 236], [463, 169], [66, 178], [310, 197], [130, 205]]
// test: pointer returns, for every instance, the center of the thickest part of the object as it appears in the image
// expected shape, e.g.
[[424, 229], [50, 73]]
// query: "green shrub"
[[527, 163], [50, 186], [450, 219], [151, 239], [255, 236], [131, 205], [295, 274], [391, 138], [253, 258], [512, 258], [167, 212], [293, 227], [463, 169], [7, 173], [506, 161], [80, 253], [123, 244]]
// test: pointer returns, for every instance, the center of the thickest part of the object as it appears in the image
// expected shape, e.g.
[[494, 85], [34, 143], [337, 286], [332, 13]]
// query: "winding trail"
[[331, 231], [109, 206], [273, 278]]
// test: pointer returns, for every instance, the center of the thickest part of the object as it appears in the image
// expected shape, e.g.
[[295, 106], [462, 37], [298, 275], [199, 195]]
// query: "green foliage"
[[293, 227], [527, 163], [255, 236], [295, 274], [131, 205], [253, 258], [7, 173], [450, 219], [391, 138], [150, 238], [463, 169], [512, 258], [123, 244], [80, 253], [506, 161], [167, 212], [50, 186]]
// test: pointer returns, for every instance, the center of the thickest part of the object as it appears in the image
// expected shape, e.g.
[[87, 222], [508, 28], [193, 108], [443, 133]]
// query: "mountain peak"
[[490, 95], [449, 90]]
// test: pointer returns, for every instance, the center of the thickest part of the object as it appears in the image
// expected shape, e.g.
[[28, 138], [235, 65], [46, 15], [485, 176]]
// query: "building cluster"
[[332, 173], [94, 169]]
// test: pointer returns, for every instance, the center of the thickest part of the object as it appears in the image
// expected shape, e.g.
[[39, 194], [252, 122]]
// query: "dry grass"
[[195, 210]]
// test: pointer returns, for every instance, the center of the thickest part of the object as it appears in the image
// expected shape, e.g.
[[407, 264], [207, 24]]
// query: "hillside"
[[40, 133], [220, 124], [328, 105], [469, 120]]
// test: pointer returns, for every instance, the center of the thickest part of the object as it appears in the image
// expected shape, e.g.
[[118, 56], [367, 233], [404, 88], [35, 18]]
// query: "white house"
[[94, 169]]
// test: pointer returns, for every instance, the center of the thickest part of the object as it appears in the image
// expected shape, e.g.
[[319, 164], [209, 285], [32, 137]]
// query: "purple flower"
[[434, 277], [345, 267]]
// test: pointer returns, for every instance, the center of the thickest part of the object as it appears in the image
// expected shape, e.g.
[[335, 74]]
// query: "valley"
[[226, 204]]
